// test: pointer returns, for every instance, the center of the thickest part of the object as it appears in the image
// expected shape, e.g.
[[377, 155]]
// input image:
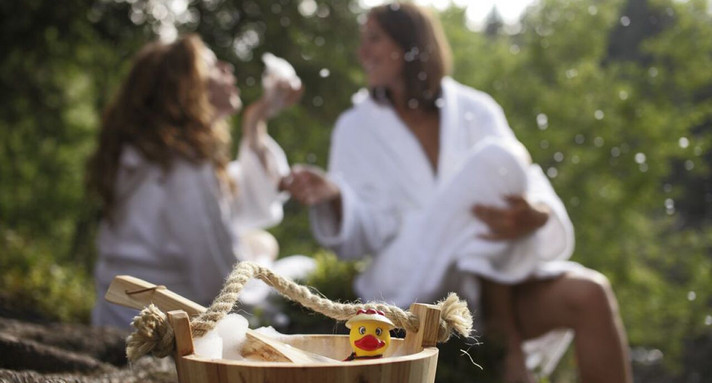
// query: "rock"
[[32, 352]]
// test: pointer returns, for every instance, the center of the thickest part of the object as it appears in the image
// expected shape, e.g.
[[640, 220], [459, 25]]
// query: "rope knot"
[[153, 335]]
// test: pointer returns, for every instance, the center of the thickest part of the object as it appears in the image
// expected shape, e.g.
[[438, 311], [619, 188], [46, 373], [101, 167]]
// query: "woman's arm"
[[351, 211], [261, 163], [258, 200], [254, 122]]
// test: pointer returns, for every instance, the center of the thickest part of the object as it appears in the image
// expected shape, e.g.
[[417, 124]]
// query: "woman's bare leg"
[[585, 303], [501, 326]]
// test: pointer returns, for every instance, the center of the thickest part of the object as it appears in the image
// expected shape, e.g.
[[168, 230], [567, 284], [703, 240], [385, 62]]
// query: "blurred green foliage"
[[35, 285], [613, 99]]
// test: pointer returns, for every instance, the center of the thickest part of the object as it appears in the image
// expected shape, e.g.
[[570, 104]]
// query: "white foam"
[[271, 332], [209, 345], [226, 340], [232, 330]]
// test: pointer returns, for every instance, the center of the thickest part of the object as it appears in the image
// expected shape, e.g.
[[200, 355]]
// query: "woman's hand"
[[269, 105], [310, 186], [518, 219], [280, 97]]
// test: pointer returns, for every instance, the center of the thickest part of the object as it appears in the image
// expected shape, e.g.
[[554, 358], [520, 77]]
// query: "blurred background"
[[612, 97]]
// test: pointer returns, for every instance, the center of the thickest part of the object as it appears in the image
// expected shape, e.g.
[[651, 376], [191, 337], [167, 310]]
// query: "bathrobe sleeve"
[[369, 220], [259, 202]]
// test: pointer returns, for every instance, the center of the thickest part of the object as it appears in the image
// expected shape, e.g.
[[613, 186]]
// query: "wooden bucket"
[[409, 360]]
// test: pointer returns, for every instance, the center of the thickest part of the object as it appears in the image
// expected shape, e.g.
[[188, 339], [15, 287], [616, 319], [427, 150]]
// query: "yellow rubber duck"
[[370, 334]]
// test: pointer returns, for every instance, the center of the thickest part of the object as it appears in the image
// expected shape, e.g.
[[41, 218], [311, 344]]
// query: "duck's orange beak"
[[369, 343]]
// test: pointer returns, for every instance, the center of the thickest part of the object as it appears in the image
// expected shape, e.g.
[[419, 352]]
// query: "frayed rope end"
[[455, 318]]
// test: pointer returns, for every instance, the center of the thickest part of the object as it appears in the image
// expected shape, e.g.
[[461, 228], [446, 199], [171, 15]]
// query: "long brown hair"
[[427, 57], [162, 109]]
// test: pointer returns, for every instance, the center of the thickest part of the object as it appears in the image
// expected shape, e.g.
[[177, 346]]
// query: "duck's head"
[[369, 334]]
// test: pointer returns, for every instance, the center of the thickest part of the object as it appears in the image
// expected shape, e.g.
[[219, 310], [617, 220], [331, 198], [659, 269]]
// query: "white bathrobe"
[[181, 229], [418, 226]]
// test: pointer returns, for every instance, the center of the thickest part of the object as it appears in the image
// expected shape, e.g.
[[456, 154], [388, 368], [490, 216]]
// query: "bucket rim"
[[426, 353]]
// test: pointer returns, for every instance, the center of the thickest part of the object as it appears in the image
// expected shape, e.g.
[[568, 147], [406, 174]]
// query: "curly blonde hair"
[[163, 110]]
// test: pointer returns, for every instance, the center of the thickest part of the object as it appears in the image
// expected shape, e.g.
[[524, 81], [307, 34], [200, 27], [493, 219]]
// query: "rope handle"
[[153, 334]]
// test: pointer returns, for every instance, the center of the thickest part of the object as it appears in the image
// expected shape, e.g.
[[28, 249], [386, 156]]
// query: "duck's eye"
[[362, 330], [379, 331]]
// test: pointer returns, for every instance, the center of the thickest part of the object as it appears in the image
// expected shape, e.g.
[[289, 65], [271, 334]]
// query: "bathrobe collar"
[[404, 146]]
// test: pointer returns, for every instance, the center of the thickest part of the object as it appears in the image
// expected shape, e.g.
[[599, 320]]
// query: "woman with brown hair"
[[426, 176], [176, 210]]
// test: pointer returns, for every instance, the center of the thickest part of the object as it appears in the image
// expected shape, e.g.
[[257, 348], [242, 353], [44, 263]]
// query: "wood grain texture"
[[416, 368], [136, 293], [427, 335], [180, 322]]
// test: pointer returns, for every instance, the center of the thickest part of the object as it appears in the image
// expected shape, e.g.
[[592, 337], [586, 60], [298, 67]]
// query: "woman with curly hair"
[[175, 209]]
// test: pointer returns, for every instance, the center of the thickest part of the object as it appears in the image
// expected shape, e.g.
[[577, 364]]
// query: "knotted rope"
[[154, 335]]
